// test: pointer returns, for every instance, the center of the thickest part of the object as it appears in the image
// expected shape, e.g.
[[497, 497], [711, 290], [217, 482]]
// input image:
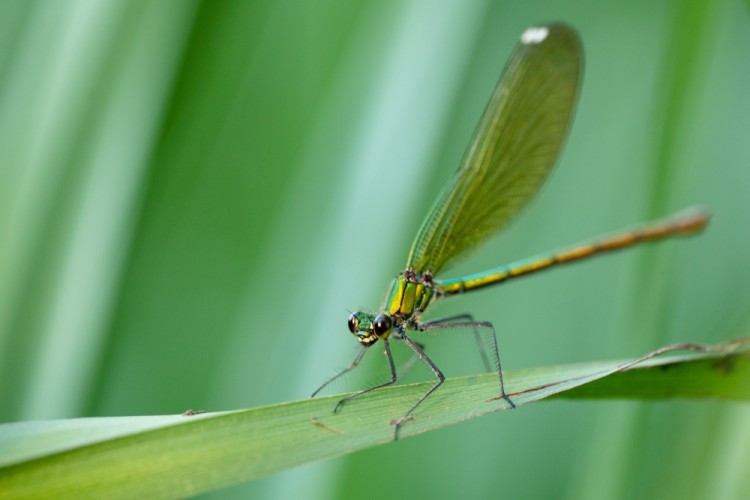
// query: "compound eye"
[[382, 324], [353, 323]]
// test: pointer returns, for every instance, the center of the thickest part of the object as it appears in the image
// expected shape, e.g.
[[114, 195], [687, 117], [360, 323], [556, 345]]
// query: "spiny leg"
[[351, 367], [441, 378], [393, 378], [404, 369], [469, 319], [476, 324]]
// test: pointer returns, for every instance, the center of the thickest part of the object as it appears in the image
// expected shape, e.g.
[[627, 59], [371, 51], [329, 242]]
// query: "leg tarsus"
[[359, 393], [441, 378]]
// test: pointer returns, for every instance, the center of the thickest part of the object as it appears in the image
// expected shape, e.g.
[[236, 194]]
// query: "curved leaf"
[[180, 455]]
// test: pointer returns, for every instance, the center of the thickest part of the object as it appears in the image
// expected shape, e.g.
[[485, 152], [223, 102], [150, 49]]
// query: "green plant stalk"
[[181, 455]]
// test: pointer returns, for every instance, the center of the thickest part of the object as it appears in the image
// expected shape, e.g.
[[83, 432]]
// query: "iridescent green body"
[[411, 293], [688, 222], [409, 296], [514, 148]]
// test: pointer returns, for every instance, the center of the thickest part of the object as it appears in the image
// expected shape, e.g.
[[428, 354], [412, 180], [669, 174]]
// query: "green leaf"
[[179, 455]]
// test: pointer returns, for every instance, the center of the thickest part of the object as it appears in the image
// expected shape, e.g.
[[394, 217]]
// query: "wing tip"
[[540, 33]]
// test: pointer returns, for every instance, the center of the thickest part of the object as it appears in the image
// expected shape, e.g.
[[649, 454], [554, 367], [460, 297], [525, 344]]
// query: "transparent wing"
[[513, 150]]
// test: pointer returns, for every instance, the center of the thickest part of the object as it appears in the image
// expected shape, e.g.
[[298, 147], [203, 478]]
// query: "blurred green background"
[[192, 194]]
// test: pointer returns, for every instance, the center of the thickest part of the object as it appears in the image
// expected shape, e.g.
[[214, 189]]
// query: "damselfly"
[[513, 150]]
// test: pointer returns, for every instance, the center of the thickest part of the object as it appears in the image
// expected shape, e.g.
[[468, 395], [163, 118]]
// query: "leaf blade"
[[175, 456]]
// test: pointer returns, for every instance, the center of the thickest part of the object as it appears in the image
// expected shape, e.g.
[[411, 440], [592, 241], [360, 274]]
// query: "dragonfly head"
[[368, 328]]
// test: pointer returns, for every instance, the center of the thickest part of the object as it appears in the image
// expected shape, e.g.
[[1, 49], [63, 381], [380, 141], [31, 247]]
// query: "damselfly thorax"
[[409, 296]]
